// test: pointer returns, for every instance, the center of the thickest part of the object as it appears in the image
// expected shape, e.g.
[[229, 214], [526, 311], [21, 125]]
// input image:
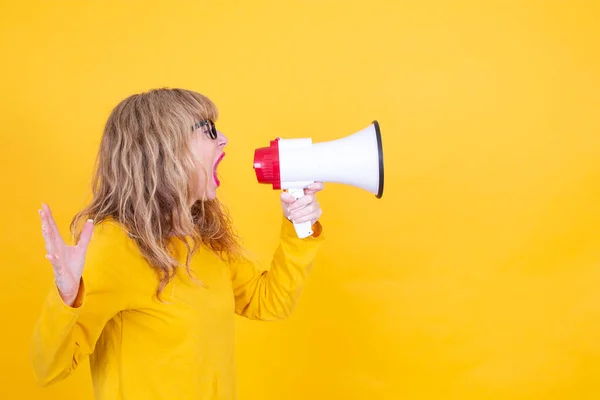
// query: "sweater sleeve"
[[272, 294], [64, 335]]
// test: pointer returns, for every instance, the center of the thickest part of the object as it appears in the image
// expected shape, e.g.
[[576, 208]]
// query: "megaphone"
[[294, 164]]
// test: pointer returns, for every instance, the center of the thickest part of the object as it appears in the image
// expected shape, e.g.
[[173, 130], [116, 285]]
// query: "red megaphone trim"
[[266, 164]]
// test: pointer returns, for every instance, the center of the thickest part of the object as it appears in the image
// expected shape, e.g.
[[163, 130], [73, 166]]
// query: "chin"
[[210, 194]]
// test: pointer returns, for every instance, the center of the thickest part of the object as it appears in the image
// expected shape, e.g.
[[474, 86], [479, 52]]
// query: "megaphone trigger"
[[296, 192]]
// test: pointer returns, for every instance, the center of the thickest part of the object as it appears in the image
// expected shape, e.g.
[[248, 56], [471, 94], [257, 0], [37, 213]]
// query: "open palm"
[[67, 261]]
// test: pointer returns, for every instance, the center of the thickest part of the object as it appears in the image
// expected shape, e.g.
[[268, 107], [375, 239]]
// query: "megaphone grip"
[[303, 229]]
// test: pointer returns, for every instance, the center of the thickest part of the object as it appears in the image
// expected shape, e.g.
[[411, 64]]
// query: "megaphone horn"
[[294, 164]]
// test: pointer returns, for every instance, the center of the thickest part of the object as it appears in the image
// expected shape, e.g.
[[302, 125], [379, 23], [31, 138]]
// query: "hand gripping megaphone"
[[294, 164]]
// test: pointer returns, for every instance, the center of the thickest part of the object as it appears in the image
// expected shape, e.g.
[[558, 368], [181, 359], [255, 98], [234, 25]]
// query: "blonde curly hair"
[[144, 180]]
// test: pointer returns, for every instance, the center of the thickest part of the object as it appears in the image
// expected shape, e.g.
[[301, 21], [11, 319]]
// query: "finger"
[[313, 217], [86, 234], [314, 188], [302, 202], [54, 260], [53, 228], [47, 232], [57, 265], [287, 198], [306, 211]]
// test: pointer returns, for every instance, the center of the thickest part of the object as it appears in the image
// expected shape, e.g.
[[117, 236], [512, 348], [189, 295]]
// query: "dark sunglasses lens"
[[210, 127]]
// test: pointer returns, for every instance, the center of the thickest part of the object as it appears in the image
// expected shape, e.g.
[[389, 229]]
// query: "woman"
[[154, 306]]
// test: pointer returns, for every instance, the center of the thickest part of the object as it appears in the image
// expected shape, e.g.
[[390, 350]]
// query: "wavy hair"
[[144, 179]]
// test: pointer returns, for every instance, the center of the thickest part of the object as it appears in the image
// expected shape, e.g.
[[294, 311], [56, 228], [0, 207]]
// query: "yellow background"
[[476, 276]]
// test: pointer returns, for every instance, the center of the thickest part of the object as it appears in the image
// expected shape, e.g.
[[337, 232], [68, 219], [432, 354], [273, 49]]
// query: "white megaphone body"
[[294, 164]]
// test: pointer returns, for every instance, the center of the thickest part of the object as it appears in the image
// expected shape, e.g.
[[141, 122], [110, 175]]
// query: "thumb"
[[86, 234]]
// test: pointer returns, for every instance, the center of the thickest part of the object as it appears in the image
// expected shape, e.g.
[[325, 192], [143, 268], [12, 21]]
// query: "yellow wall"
[[475, 277]]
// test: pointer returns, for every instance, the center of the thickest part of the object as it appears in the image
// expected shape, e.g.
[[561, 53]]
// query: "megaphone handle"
[[303, 229]]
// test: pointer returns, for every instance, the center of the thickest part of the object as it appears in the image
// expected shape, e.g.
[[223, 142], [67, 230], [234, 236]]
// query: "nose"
[[221, 139]]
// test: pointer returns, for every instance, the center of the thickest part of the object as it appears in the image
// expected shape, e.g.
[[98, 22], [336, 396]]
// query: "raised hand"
[[67, 261], [306, 208]]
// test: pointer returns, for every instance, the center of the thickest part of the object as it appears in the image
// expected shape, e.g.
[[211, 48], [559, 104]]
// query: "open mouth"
[[216, 178]]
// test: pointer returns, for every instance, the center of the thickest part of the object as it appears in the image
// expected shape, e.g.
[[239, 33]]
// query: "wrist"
[[71, 298], [68, 298]]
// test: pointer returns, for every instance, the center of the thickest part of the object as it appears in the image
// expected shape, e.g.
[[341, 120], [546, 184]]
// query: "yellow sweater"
[[183, 348]]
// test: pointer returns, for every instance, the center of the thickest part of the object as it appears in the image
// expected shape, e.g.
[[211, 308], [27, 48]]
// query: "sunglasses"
[[212, 130]]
